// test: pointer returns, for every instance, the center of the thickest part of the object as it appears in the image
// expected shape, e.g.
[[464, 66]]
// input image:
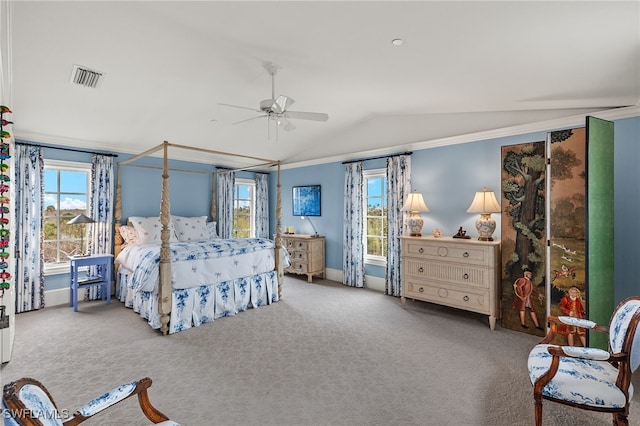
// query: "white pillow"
[[212, 230], [191, 228], [129, 235], [148, 229]]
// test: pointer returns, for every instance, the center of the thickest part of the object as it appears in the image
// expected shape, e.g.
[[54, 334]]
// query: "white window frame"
[[366, 175], [64, 267], [252, 183]]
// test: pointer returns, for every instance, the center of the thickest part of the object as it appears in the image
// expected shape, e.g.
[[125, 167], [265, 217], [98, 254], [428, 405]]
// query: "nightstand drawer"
[[296, 245], [298, 267], [298, 256]]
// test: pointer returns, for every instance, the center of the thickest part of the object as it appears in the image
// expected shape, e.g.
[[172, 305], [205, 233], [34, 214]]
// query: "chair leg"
[[538, 409], [620, 419]]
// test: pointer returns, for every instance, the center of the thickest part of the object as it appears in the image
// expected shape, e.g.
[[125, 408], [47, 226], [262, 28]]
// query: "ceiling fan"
[[277, 109]]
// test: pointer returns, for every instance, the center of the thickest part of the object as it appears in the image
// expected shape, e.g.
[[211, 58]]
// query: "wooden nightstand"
[[104, 279], [307, 255]]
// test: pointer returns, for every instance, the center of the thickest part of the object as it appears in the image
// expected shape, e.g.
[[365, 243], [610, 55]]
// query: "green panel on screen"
[[600, 218]]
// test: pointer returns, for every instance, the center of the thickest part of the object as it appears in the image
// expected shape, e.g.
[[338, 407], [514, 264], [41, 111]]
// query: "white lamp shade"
[[415, 203], [484, 202], [81, 218]]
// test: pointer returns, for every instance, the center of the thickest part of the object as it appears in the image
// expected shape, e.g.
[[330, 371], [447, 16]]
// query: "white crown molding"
[[540, 126]]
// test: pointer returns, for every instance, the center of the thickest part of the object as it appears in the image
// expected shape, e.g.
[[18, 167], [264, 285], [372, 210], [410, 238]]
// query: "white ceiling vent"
[[84, 76]]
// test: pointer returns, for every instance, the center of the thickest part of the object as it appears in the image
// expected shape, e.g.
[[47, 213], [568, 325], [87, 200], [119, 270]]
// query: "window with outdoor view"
[[375, 211], [66, 191], [244, 202]]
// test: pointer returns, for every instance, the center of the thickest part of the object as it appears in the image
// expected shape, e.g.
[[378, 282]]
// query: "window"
[[244, 207], [375, 212], [66, 191]]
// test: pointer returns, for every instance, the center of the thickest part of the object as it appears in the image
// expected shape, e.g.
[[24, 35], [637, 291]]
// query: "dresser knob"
[[421, 289], [420, 250], [465, 254], [465, 298], [465, 276], [421, 269]]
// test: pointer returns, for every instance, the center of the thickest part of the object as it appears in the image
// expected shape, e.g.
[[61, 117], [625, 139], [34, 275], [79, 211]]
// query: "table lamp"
[[415, 205], [485, 203], [81, 219]]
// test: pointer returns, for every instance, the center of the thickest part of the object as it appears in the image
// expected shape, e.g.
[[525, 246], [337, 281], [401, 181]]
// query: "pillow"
[[129, 235], [212, 230], [148, 229], [191, 228]]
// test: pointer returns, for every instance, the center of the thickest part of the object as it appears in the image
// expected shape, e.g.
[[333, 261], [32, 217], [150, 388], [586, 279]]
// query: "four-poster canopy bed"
[[224, 276]]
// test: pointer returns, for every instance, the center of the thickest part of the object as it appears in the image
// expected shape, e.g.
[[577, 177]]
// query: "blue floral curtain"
[[100, 233], [224, 190], [262, 205], [352, 247], [29, 273], [398, 186]]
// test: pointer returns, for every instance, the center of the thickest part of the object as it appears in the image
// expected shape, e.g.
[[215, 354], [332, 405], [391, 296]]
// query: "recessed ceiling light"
[[397, 42]]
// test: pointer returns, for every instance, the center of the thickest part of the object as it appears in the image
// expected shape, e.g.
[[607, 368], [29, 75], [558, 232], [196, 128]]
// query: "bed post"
[[164, 288], [279, 254], [213, 212], [117, 237]]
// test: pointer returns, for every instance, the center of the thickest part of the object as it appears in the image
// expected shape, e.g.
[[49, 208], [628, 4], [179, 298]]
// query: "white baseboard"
[[57, 297], [61, 296], [372, 283]]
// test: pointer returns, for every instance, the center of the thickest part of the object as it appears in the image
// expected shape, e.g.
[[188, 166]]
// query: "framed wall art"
[[306, 200]]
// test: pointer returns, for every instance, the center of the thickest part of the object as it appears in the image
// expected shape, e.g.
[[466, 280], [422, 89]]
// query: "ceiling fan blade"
[[241, 107], [315, 116], [282, 104], [285, 123], [249, 119]]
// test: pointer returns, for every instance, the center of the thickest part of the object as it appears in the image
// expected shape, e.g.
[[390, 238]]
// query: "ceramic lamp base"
[[485, 226], [414, 223]]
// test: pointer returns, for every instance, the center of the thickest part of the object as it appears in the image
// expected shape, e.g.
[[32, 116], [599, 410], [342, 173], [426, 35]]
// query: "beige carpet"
[[325, 354]]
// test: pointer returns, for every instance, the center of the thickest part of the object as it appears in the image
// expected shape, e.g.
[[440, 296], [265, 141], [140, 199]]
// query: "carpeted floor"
[[325, 354]]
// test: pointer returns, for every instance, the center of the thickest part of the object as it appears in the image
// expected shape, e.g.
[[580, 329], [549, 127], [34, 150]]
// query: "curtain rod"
[[66, 149], [375, 158]]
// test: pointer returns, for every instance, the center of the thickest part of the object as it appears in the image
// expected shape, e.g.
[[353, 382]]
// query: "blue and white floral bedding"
[[194, 264]]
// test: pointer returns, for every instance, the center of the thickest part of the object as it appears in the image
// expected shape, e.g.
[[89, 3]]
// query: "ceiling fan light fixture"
[[397, 42]]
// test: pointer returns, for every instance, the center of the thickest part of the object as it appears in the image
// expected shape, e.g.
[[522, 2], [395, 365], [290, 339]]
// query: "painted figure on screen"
[[571, 305], [523, 288]]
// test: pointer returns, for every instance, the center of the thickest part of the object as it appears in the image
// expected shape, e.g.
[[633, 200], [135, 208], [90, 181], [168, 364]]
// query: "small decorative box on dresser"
[[306, 253], [461, 273]]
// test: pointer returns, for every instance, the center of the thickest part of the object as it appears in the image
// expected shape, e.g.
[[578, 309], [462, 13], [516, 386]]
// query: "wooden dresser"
[[306, 254], [461, 273]]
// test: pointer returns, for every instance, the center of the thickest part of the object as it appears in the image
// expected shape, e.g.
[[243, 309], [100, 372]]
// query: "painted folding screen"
[[567, 230], [574, 274], [523, 237]]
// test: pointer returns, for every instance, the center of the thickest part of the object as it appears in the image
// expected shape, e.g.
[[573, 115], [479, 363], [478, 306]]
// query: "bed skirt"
[[192, 307]]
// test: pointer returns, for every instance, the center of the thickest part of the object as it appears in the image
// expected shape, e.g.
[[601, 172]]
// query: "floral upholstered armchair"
[[27, 402], [589, 378]]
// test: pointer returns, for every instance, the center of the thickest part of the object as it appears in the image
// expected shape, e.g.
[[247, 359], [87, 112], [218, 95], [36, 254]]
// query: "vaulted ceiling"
[[464, 67]]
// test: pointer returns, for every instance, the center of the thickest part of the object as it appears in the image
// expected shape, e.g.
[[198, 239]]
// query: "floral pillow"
[[129, 235], [212, 230], [148, 229], [191, 228]]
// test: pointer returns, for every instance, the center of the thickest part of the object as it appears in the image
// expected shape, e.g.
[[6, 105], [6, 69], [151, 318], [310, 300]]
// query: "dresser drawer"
[[472, 276], [448, 252], [476, 300]]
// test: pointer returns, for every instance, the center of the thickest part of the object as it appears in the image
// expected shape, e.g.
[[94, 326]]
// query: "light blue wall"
[[448, 178], [626, 173]]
